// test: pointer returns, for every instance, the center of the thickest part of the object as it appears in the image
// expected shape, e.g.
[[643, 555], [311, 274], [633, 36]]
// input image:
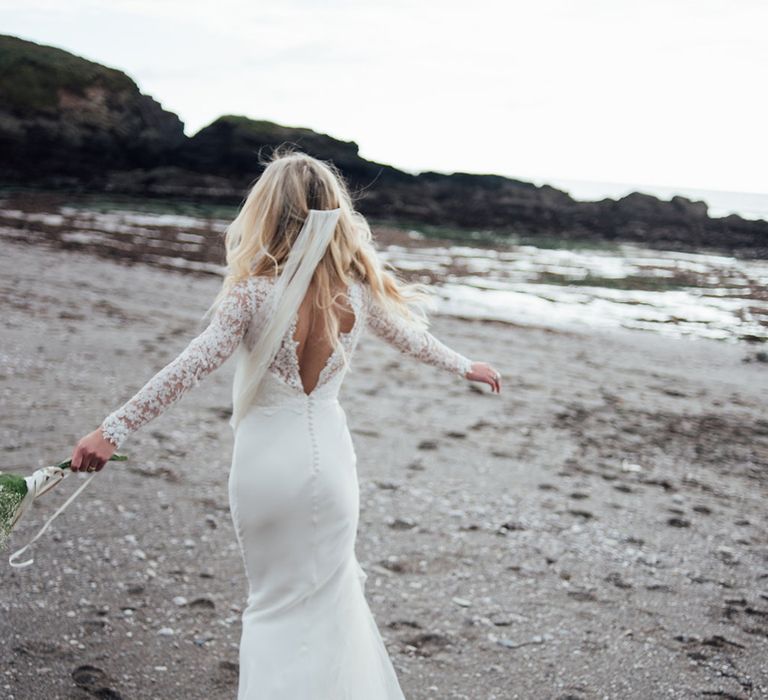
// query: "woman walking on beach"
[[303, 280]]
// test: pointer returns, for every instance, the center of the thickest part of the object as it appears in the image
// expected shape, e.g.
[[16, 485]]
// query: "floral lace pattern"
[[419, 344], [286, 362], [229, 327], [203, 355]]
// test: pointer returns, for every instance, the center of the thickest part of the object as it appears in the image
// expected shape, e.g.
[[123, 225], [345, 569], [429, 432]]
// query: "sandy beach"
[[599, 530]]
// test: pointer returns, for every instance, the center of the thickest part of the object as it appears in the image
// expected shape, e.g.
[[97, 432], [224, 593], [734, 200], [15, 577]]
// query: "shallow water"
[[674, 293]]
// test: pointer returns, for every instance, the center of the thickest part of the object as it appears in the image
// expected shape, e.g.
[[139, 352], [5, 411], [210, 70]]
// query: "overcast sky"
[[665, 92]]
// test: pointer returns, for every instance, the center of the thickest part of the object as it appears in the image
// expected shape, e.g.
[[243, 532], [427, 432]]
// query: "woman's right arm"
[[204, 354]]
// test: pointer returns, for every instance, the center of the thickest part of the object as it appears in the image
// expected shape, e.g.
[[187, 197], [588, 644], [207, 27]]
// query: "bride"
[[303, 281]]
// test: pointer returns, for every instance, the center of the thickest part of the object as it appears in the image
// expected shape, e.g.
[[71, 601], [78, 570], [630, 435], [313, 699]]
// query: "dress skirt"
[[307, 630]]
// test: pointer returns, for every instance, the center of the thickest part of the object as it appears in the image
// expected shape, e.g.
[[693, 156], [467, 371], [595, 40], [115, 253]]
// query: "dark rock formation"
[[232, 146], [64, 118], [69, 122]]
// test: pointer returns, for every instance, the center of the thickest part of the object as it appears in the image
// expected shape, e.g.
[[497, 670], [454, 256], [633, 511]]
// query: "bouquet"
[[18, 492]]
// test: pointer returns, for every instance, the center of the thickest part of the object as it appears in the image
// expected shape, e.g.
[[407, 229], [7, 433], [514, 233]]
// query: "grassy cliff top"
[[32, 74], [270, 131], [261, 126]]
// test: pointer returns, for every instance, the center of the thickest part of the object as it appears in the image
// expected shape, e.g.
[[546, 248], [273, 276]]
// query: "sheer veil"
[[281, 306]]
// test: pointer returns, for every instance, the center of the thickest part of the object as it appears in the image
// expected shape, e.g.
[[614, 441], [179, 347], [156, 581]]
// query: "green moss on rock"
[[31, 75]]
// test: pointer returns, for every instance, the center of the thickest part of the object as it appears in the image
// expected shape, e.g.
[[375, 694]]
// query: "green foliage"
[[13, 489], [268, 131], [12, 483]]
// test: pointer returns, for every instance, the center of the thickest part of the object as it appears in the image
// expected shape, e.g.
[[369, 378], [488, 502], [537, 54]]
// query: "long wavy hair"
[[270, 219]]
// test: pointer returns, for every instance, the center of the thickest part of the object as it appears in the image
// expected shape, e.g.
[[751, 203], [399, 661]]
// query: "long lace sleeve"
[[203, 355], [417, 343]]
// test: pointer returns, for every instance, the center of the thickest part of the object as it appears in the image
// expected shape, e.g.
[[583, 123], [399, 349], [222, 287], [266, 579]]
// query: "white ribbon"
[[40, 482]]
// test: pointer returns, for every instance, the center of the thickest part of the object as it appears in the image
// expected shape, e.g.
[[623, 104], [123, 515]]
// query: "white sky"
[[665, 92]]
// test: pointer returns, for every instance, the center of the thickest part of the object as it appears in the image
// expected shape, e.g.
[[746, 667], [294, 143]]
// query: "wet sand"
[[598, 530]]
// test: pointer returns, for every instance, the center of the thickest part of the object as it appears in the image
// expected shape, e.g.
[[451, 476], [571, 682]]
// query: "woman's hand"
[[92, 452], [483, 372]]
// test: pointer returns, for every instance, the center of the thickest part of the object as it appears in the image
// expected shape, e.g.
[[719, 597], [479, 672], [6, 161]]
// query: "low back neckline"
[[290, 346]]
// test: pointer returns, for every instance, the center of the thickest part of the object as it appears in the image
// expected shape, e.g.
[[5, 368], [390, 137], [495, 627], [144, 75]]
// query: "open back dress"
[[307, 630]]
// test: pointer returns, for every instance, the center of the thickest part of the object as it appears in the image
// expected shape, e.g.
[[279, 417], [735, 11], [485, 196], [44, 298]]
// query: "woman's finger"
[[89, 461], [74, 465]]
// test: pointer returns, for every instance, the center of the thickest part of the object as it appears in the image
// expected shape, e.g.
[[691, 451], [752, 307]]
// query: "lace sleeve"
[[203, 355], [416, 342]]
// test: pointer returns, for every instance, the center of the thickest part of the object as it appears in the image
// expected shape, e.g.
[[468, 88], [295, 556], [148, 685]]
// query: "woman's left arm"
[[204, 354], [425, 347]]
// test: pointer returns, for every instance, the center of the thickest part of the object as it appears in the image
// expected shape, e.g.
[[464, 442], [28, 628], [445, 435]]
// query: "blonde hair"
[[270, 219]]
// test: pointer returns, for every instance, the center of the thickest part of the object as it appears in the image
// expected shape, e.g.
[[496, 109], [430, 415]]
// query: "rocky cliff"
[[69, 122], [64, 119]]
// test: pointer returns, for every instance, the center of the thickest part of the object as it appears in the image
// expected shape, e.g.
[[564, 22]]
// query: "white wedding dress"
[[307, 630]]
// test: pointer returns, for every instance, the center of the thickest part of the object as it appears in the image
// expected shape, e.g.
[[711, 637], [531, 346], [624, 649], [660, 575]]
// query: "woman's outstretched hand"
[[483, 372], [92, 452]]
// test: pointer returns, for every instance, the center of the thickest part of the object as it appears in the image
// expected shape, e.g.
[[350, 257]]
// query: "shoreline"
[[670, 292], [44, 198]]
